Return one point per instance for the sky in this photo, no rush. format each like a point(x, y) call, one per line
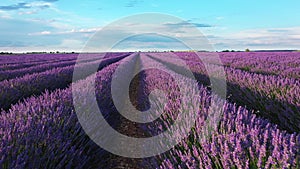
point(68, 25)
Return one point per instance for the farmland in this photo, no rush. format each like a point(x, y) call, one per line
point(258, 124)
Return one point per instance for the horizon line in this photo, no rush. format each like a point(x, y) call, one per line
point(76, 52)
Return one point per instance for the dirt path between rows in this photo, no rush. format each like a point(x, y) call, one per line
point(132, 129)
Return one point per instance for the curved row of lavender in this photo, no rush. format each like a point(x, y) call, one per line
point(14, 90)
point(272, 97)
point(241, 139)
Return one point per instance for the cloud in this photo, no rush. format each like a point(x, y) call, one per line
point(67, 32)
point(148, 42)
point(23, 5)
point(71, 44)
point(220, 18)
point(12, 36)
point(40, 5)
point(5, 15)
point(278, 30)
point(133, 3)
point(269, 38)
point(121, 30)
point(151, 37)
point(50, 0)
point(86, 30)
point(44, 21)
point(27, 12)
point(41, 33)
point(188, 24)
point(15, 7)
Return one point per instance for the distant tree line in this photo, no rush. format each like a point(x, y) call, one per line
point(6, 53)
point(57, 52)
point(246, 50)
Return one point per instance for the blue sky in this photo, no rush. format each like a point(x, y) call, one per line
point(65, 25)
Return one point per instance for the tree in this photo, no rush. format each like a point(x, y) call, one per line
point(247, 50)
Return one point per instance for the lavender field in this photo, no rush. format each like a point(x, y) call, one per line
point(258, 127)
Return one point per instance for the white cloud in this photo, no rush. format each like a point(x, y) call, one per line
point(72, 31)
point(45, 33)
point(220, 18)
point(83, 30)
point(267, 38)
point(27, 12)
point(69, 44)
point(41, 33)
point(39, 4)
point(5, 15)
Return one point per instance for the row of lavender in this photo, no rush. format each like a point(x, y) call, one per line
point(14, 90)
point(21, 69)
point(11, 74)
point(273, 97)
point(12, 61)
point(283, 64)
point(235, 139)
point(25, 64)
